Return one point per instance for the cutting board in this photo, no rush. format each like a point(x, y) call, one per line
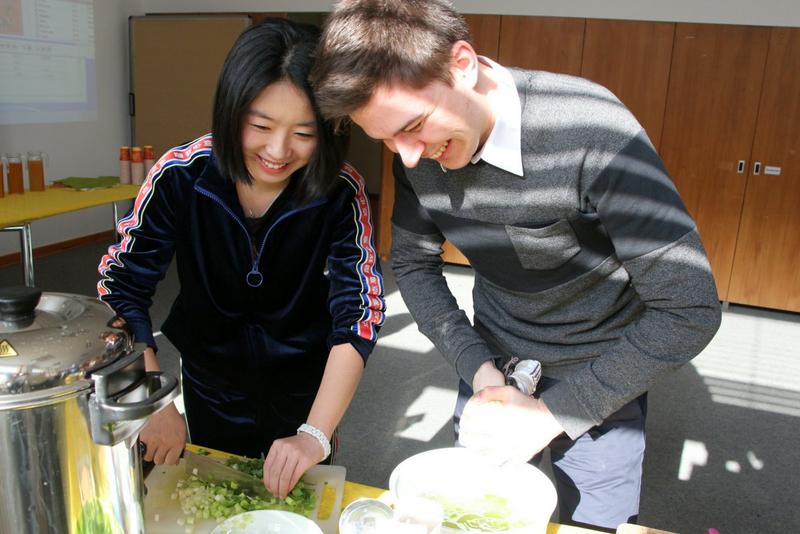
point(162, 480)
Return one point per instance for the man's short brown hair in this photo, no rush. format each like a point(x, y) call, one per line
point(371, 43)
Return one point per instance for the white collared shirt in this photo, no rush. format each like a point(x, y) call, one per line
point(503, 146)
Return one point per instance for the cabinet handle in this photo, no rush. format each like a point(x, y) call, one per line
point(741, 166)
point(757, 167)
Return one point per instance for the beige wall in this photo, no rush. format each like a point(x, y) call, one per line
point(83, 148)
point(89, 148)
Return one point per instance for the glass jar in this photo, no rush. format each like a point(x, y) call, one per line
point(16, 185)
point(36, 171)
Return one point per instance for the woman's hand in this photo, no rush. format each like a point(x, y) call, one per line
point(164, 435)
point(288, 459)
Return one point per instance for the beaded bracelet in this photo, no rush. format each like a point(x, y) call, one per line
point(321, 437)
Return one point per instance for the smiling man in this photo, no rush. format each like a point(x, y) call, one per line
point(585, 257)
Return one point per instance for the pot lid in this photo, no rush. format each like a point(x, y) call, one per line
point(50, 341)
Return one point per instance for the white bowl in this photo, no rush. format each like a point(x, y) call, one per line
point(461, 476)
point(267, 522)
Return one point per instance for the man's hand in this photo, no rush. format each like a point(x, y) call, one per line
point(506, 424)
point(287, 460)
point(487, 375)
point(164, 435)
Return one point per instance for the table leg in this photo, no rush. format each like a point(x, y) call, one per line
point(26, 245)
point(25, 249)
point(116, 218)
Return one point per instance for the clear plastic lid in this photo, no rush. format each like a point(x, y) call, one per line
point(365, 516)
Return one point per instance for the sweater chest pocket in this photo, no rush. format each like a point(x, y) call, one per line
point(544, 248)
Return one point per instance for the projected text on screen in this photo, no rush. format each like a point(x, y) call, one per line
point(47, 61)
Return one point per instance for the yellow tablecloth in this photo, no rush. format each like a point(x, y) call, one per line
point(33, 205)
point(353, 491)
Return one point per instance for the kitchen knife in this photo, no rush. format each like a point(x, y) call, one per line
point(215, 470)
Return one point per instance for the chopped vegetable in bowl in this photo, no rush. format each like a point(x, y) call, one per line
point(476, 493)
point(490, 513)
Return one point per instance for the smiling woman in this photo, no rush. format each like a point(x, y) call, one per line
point(281, 296)
point(279, 138)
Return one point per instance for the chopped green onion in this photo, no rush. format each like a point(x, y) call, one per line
point(202, 499)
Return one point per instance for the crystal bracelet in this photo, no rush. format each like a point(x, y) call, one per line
point(321, 437)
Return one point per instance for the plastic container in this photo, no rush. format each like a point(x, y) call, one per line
point(137, 166)
point(36, 161)
point(365, 516)
point(149, 158)
point(16, 183)
point(124, 165)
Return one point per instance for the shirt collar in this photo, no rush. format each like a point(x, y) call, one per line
point(503, 146)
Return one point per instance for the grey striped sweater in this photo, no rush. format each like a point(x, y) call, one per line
point(589, 263)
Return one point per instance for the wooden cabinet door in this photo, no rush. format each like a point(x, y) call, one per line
point(542, 43)
point(712, 103)
point(485, 32)
point(632, 59)
point(766, 269)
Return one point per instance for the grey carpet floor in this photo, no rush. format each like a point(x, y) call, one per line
point(723, 432)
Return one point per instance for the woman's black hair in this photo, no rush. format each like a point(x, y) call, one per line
point(272, 51)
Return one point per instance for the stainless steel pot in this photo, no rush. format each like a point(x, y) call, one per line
point(74, 395)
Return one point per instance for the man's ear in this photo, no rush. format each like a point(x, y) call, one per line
point(464, 64)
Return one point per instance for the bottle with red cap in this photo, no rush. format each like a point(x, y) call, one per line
point(137, 165)
point(124, 165)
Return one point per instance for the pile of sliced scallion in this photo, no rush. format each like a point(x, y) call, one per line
point(202, 499)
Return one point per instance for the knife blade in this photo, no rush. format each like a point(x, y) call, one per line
point(215, 470)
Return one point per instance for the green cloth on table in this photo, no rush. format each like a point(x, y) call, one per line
point(83, 183)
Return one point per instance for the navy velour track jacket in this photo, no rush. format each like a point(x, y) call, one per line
point(311, 281)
